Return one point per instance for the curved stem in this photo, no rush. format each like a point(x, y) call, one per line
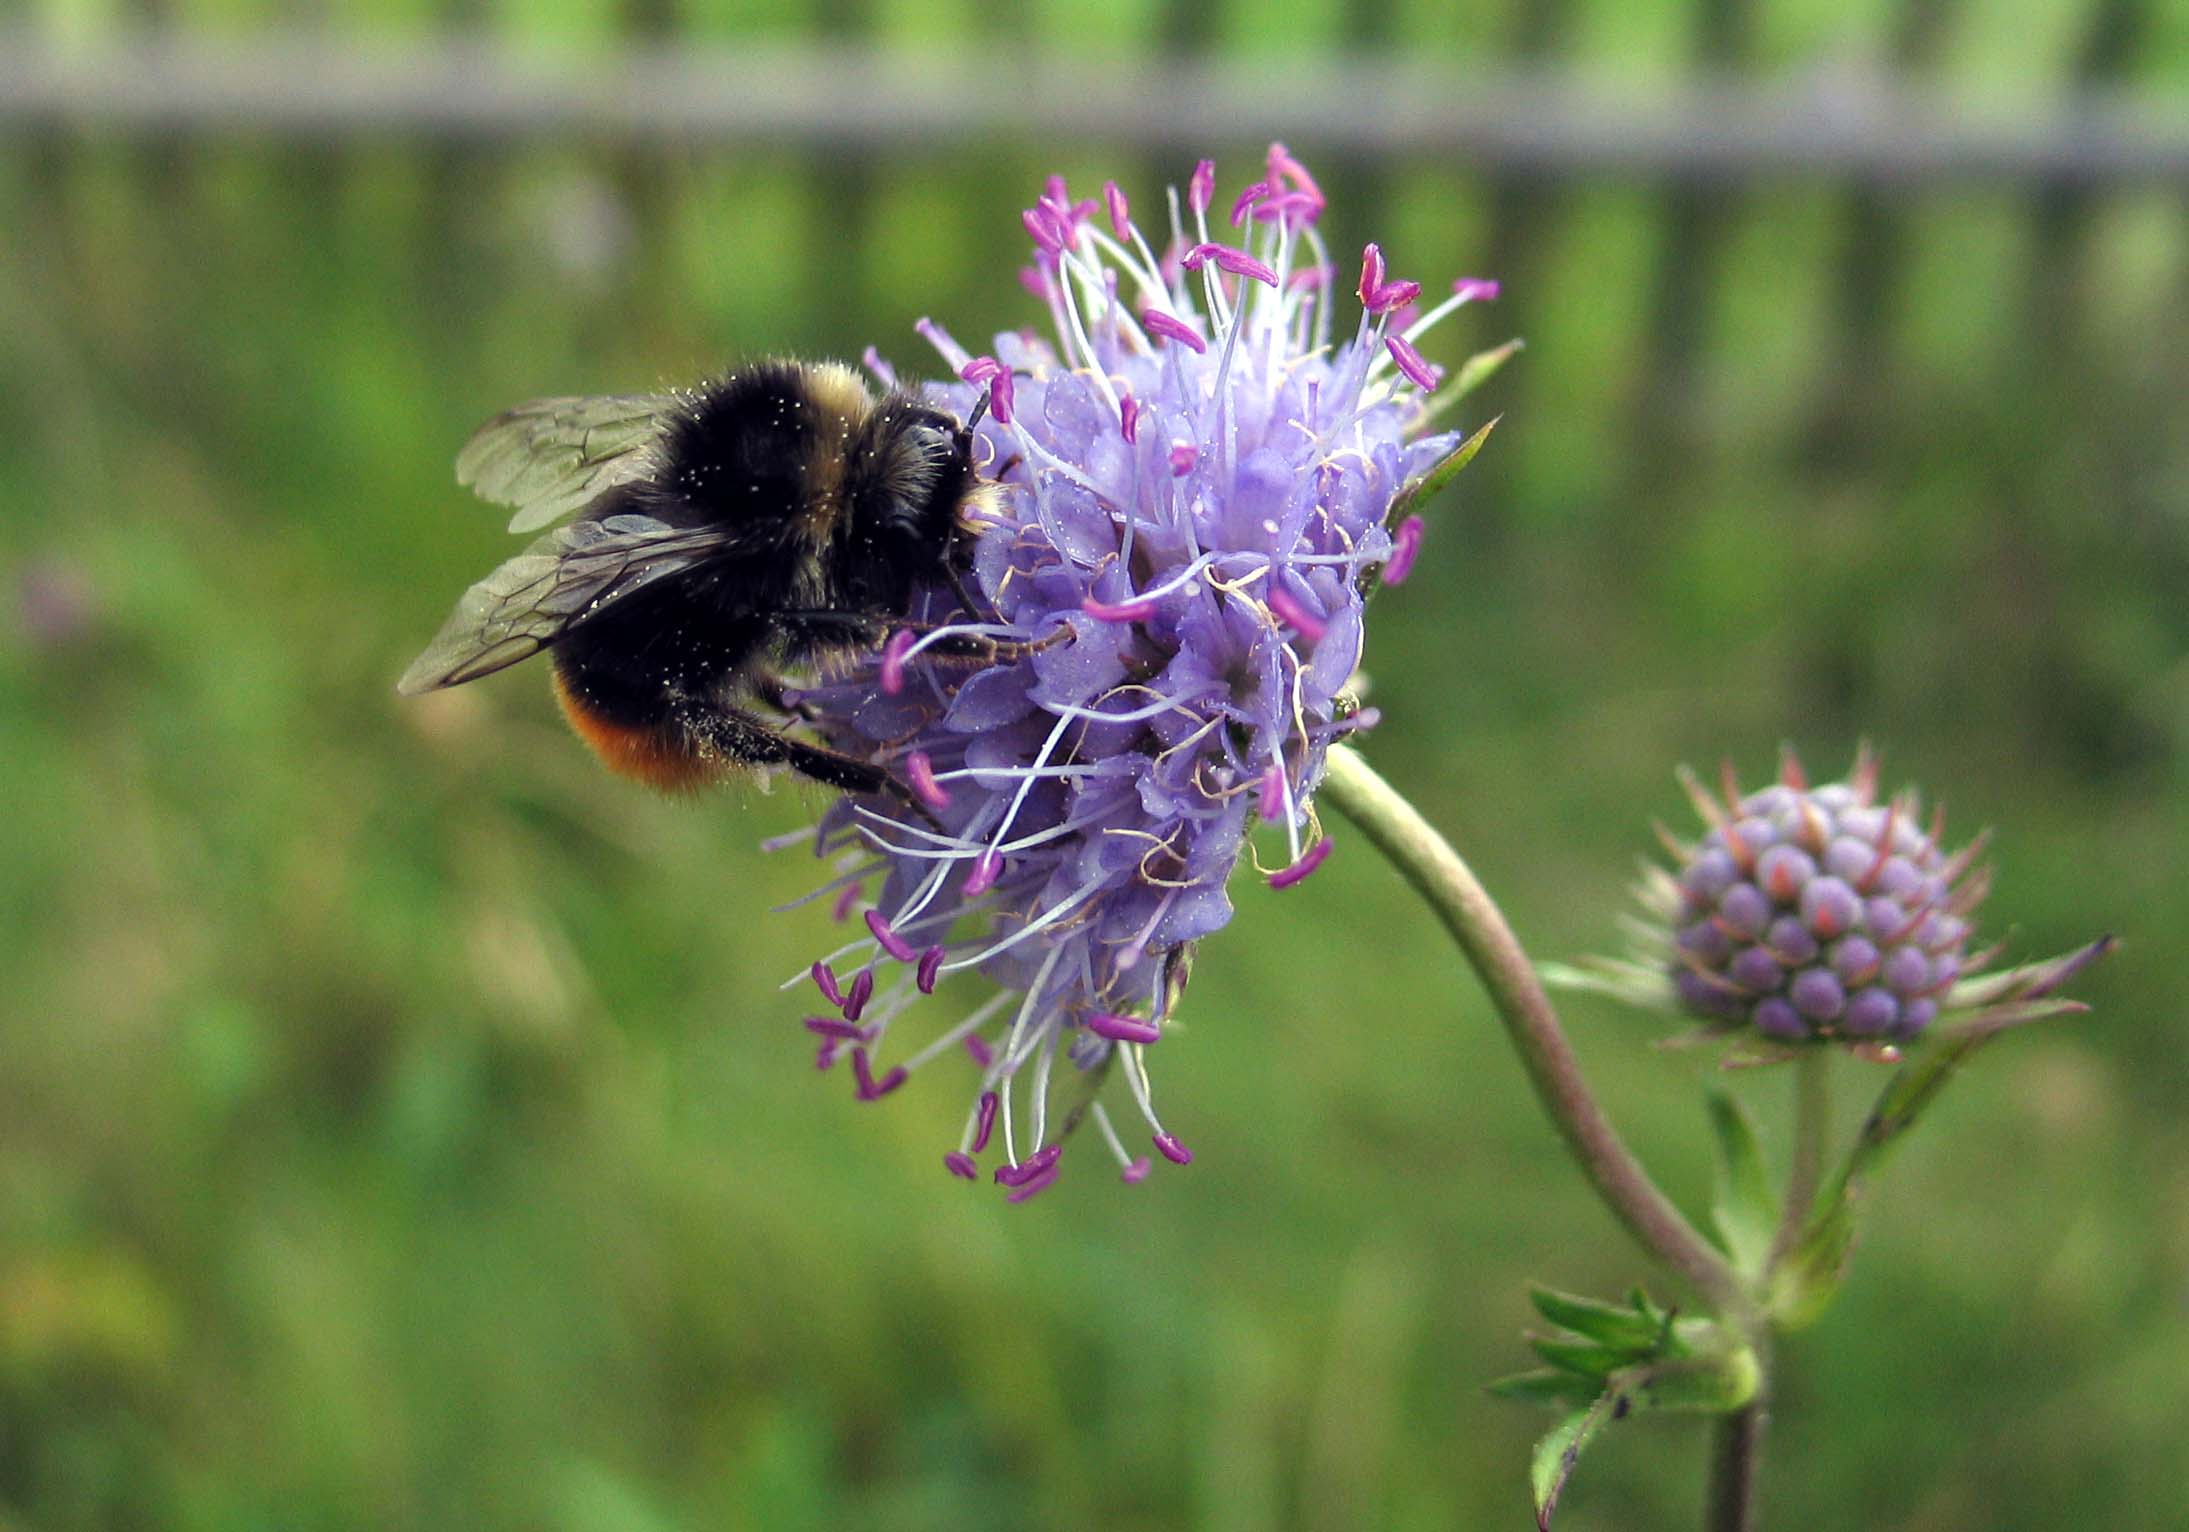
point(1812, 1120)
point(1736, 1452)
point(1428, 862)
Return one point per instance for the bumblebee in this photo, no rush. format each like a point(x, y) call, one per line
point(715, 538)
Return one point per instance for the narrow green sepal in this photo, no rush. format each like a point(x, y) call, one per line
point(1742, 1205)
point(1716, 1383)
point(1586, 1358)
point(1810, 1274)
point(1440, 473)
point(1546, 1385)
point(1636, 1330)
point(1483, 366)
point(1558, 1452)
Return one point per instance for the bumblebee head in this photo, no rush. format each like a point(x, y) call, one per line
point(907, 483)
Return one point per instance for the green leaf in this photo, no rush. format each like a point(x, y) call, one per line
point(1547, 1385)
point(1638, 1330)
point(1743, 1205)
point(1584, 1357)
point(1560, 1449)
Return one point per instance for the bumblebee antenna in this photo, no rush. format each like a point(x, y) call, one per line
point(980, 408)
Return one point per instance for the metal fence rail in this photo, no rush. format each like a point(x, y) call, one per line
point(1856, 126)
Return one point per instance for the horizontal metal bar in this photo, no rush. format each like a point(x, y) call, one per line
point(1840, 125)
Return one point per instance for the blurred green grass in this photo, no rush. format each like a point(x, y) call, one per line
point(399, 1125)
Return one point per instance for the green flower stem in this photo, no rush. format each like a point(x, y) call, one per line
point(1736, 1451)
point(1812, 1121)
point(1428, 862)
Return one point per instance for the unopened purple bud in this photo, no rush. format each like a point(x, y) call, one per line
point(1756, 970)
point(1915, 1015)
point(1907, 970)
point(1289, 609)
point(1849, 859)
point(929, 970)
point(1829, 907)
point(1784, 871)
point(1855, 960)
point(1270, 795)
point(1418, 372)
point(960, 1164)
point(1710, 874)
point(1744, 911)
point(978, 1051)
point(1202, 187)
point(1405, 548)
point(1128, 417)
point(1790, 941)
point(824, 978)
point(1310, 859)
point(1817, 995)
point(1137, 1171)
point(1871, 1012)
point(1707, 940)
point(1122, 1029)
point(1172, 1150)
point(1774, 1016)
point(1476, 289)
point(829, 1026)
point(981, 369)
point(1706, 996)
point(1000, 395)
point(985, 1123)
point(1156, 322)
point(1885, 918)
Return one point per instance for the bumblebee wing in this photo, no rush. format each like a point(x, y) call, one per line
point(555, 456)
point(551, 587)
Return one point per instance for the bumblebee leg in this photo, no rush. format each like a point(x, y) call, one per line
point(735, 735)
point(977, 651)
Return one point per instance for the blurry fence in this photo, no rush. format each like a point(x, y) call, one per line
point(2061, 132)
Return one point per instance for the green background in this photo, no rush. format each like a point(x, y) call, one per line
point(399, 1123)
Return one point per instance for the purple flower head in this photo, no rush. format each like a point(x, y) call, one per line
point(1819, 914)
point(1191, 489)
